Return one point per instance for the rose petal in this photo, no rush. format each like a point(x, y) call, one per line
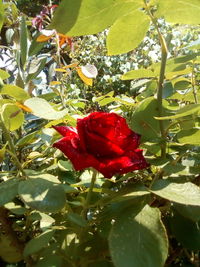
point(108, 125)
point(124, 164)
point(114, 131)
point(71, 148)
point(131, 142)
point(100, 147)
point(102, 141)
point(64, 130)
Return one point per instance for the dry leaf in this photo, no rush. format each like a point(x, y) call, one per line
point(86, 80)
point(55, 83)
point(22, 106)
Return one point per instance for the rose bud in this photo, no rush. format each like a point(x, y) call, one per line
point(102, 141)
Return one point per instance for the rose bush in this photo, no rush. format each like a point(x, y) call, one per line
point(102, 141)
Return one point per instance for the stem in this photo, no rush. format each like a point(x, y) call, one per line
point(157, 176)
point(164, 52)
point(12, 151)
point(58, 61)
point(160, 93)
point(89, 195)
point(193, 85)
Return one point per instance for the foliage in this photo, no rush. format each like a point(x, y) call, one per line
point(148, 60)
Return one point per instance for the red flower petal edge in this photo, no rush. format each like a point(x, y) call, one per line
point(102, 141)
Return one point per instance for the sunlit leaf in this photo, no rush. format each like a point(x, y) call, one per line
point(137, 74)
point(14, 91)
point(41, 108)
point(190, 136)
point(143, 121)
point(4, 74)
point(2, 152)
point(12, 116)
point(88, 16)
point(180, 11)
point(1, 14)
point(182, 193)
point(185, 111)
point(127, 32)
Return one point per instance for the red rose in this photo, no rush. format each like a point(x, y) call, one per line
point(102, 141)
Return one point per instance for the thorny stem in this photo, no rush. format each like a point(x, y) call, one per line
point(11, 150)
point(89, 195)
point(164, 52)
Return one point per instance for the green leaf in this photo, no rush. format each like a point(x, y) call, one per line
point(139, 239)
point(186, 232)
point(190, 137)
point(190, 212)
point(14, 91)
point(8, 190)
point(127, 32)
point(77, 219)
point(12, 116)
point(1, 14)
point(143, 121)
point(35, 69)
point(4, 74)
point(187, 193)
point(50, 261)
point(131, 192)
point(42, 193)
point(186, 96)
point(181, 84)
point(42, 109)
point(27, 139)
point(35, 46)
point(194, 44)
point(180, 11)
point(88, 16)
point(16, 209)
point(46, 221)
point(184, 59)
point(138, 74)
point(171, 75)
point(167, 89)
point(23, 41)
point(37, 243)
point(2, 153)
point(65, 165)
point(105, 101)
point(185, 111)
